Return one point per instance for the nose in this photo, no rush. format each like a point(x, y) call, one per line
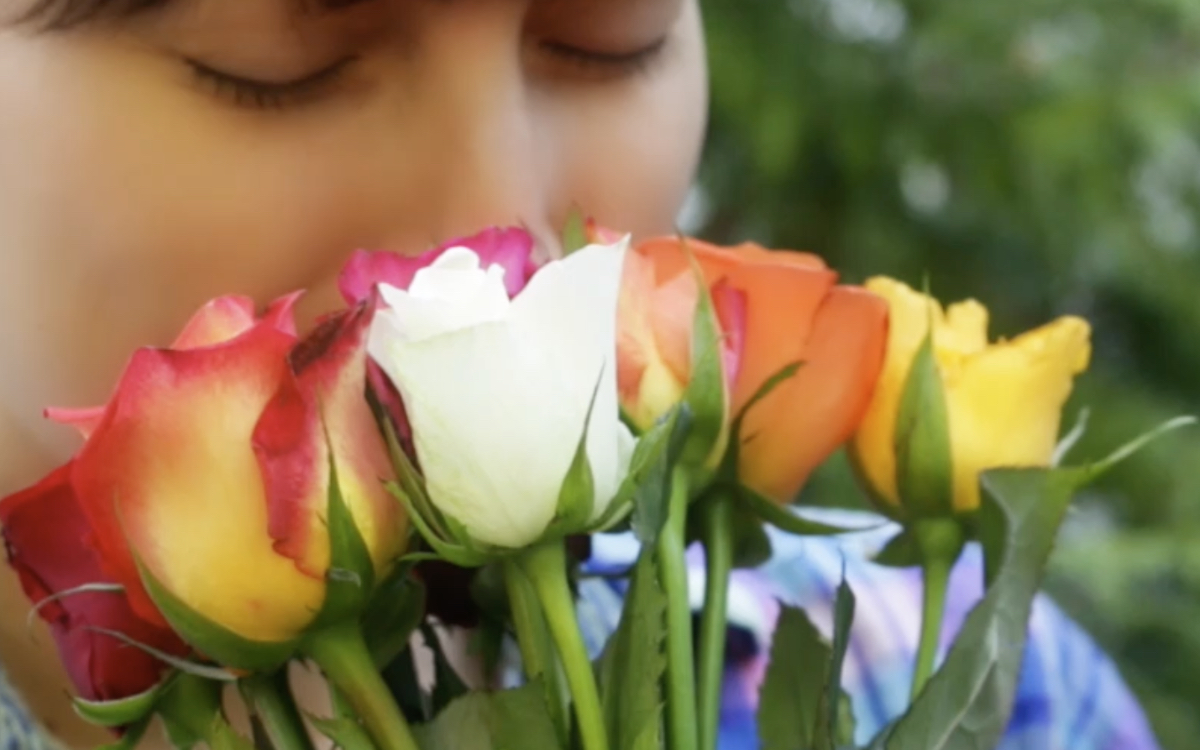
point(488, 161)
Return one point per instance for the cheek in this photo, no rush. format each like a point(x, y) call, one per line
point(125, 203)
point(631, 153)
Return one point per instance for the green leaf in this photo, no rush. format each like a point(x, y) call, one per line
point(706, 394)
point(901, 551)
point(351, 575)
point(345, 732)
point(507, 720)
point(791, 708)
point(839, 718)
point(394, 612)
point(215, 641)
point(924, 458)
point(574, 233)
point(120, 713)
point(632, 665)
point(447, 685)
point(966, 704)
point(649, 475)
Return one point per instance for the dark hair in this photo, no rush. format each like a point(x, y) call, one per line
point(59, 15)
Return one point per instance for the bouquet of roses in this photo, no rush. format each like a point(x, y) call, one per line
point(250, 497)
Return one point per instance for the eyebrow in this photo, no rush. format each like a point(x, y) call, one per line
point(60, 15)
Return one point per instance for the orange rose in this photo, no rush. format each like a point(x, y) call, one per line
point(774, 308)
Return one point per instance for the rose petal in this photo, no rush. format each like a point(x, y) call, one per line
point(730, 305)
point(44, 531)
point(806, 418)
point(171, 475)
point(510, 248)
point(326, 395)
point(84, 420)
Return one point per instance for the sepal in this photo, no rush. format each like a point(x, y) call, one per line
point(124, 712)
point(645, 488)
point(577, 496)
point(924, 458)
point(350, 579)
point(447, 536)
point(729, 465)
point(785, 520)
point(190, 708)
point(707, 395)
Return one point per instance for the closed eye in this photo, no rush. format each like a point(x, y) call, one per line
point(605, 62)
point(256, 93)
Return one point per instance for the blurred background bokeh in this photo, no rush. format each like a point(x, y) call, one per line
point(1042, 156)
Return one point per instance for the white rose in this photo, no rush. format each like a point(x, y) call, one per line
point(497, 391)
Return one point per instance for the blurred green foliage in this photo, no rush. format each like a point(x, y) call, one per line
point(1043, 157)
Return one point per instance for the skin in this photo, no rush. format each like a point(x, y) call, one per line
point(133, 189)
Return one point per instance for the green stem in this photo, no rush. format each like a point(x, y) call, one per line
point(681, 673)
point(937, 578)
point(546, 567)
point(716, 517)
point(940, 542)
point(270, 698)
point(342, 654)
point(537, 650)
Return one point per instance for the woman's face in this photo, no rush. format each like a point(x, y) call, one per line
point(149, 162)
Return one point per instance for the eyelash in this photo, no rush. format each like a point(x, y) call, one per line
point(607, 64)
point(254, 94)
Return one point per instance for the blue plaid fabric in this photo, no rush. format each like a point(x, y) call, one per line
point(1070, 697)
point(17, 729)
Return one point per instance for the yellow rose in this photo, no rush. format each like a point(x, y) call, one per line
point(1003, 400)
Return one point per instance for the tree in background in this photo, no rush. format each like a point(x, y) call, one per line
point(1042, 156)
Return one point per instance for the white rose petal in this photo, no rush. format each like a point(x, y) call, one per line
point(450, 294)
point(497, 392)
